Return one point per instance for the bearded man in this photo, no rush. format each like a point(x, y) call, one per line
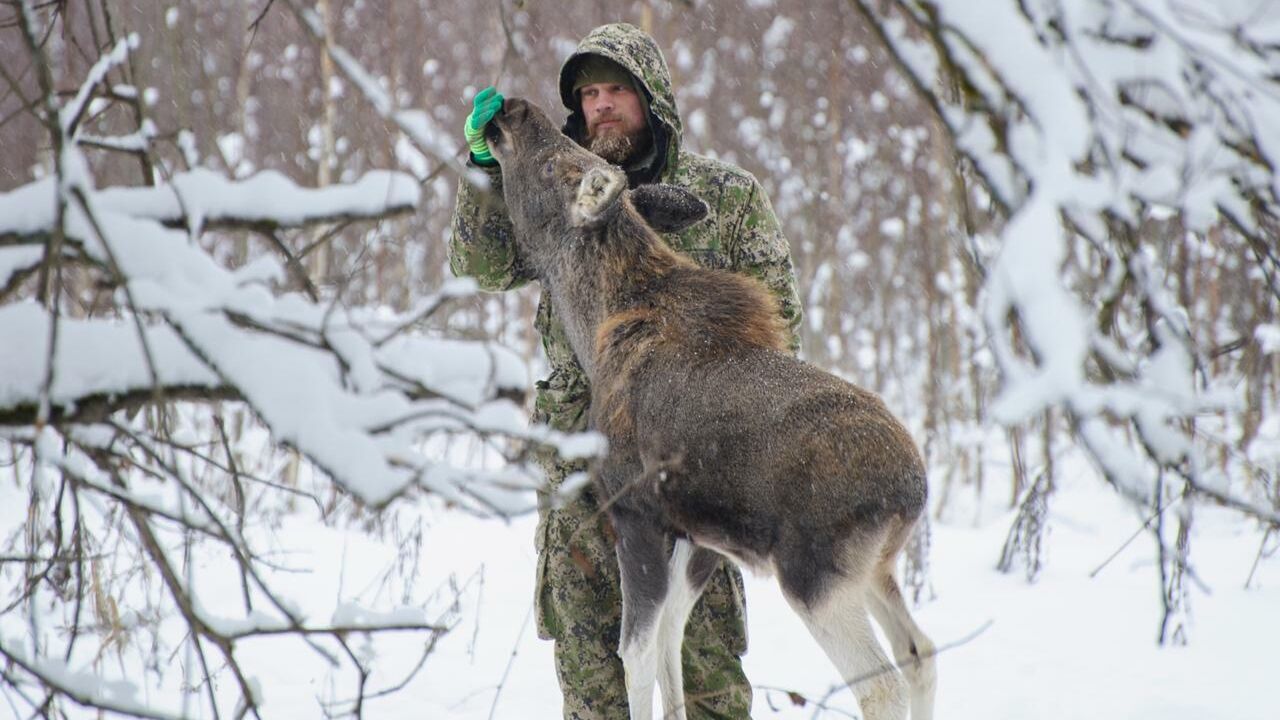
point(617, 89)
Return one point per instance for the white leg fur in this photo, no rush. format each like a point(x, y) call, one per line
point(640, 664)
point(675, 614)
point(913, 650)
point(840, 624)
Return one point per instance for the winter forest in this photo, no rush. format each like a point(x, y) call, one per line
point(262, 455)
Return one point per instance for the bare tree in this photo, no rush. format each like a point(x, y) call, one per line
point(157, 400)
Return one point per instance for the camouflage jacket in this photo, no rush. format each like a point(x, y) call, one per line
point(740, 233)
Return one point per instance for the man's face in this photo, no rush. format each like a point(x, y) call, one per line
point(616, 126)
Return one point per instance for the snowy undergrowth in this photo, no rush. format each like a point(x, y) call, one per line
point(1068, 646)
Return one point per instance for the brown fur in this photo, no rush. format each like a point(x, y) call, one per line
point(707, 315)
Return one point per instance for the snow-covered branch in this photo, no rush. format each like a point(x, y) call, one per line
point(417, 126)
point(159, 398)
point(201, 199)
point(1088, 122)
point(84, 688)
point(330, 381)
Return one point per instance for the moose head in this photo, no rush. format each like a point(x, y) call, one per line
point(557, 191)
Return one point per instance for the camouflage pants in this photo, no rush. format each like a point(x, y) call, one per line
point(579, 603)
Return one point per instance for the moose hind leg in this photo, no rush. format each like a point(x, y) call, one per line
point(644, 570)
point(913, 650)
point(690, 570)
point(838, 620)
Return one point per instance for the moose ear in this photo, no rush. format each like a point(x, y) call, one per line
point(598, 193)
point(667, 208)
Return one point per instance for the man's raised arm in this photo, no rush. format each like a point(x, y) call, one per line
point(480, 239)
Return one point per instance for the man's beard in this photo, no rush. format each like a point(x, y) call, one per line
point(619, 148)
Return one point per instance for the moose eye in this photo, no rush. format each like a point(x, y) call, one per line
point(549, 169)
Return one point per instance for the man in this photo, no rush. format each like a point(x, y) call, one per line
point(617, 89)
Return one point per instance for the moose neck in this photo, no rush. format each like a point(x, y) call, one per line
point(598, 273)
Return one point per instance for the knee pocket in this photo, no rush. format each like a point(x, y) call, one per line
point(577, 586)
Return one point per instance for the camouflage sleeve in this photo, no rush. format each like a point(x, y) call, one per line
point(480, 240)
point(761, 250)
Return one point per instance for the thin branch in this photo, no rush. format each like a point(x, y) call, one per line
point(186, 608)
point(97, 407)
point(1137, 533)
point(157, 389)
point(57, 683)
point(385, 106)
point(253, 26)
point(800, 699)
point(298, 272)
point(1263, 552)
point(422, 661)
point(50, 266)
point(336, 630)
point(506, 672)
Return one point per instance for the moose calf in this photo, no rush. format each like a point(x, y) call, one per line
point(720, 442)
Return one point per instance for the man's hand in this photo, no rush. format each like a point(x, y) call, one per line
point(487, 104)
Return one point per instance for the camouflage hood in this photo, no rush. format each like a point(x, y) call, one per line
point(633, 49)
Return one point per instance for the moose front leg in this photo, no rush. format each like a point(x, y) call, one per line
point(643, 562)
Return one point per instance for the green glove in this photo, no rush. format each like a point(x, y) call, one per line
point(487, 104)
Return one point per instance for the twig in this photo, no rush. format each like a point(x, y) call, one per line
point(183, 601)
point(99, 406)
point(422, 661)
point(800, 699)
point(385, 106)
point(79, 695)
point(1262, 552)
point(295, 268)
point(157, 389)
point(515, 650)
point(337, 630)
point(320, 241)
point(1136, 533)
point(253, 26)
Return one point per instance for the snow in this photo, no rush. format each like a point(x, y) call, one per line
point(119, 695)
point(311, 372)
point(73, 110)
point(1076, 123)
point(267, 196)
point(352, 615)
point(95, 357)
point(418, 126)
point(136, 142)
point(29, 208)
point(1269, 338)
point(1078, 626)
point(18, 260)
point(775, 37)
point(584, 445)
point(1067, 630)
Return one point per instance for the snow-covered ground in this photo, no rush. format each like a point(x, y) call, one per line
point(1068, 646)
